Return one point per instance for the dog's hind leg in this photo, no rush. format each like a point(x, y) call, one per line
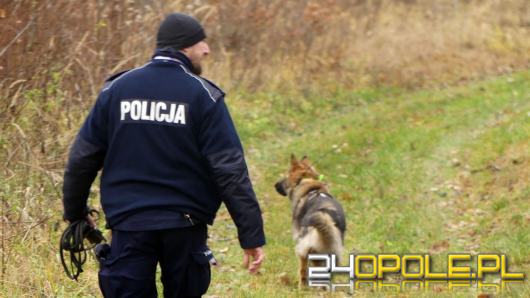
point(303, 272)
point(303, 247)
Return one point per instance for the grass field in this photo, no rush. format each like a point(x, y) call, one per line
point(430, 171)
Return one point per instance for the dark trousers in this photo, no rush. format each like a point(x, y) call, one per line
point(129, 269)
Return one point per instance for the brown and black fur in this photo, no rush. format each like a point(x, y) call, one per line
point(318, 219)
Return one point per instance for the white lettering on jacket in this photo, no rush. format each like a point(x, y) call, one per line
point(132, 110)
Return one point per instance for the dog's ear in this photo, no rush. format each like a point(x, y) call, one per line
point(294, 162)
point(306, 161)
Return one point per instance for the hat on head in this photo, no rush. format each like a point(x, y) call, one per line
point(179, 31)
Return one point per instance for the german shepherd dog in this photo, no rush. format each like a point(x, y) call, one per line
point(318, 219)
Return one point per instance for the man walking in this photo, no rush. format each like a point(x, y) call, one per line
point(170, 155)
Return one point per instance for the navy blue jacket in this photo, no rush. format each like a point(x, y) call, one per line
point(167, 146)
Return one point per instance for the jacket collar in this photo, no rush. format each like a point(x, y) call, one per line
point(173, 55)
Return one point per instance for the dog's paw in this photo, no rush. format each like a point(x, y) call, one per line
point(302, 283)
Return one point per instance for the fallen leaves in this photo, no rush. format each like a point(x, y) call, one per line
point(285, 279)
point(439, 247)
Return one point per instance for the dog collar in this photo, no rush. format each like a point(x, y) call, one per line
point(312, 194)
point(315, 193)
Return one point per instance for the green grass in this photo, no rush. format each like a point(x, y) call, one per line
point(393, 158)
point(431, 171)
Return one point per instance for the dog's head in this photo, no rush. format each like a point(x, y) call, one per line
point(299, 169)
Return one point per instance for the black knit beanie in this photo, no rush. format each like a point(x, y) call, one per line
point(179, 31)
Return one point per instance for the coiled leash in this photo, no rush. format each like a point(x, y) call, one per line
point(72, 241)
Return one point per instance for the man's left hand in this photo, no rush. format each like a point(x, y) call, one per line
point(257, 254)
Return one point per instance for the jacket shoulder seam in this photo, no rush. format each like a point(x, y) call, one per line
point(203, 84)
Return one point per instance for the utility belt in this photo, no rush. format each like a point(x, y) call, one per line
point(73, 249)
point(178, 220)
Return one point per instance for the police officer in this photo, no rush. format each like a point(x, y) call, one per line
point(170, 155)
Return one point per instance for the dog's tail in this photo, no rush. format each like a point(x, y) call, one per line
point(329, 228)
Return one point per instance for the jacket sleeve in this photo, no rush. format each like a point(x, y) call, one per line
point(220, 145)
point(85, 160)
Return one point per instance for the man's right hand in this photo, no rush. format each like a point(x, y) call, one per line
point(257, 255)
point(91, 221)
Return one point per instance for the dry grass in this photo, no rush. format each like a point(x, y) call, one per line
point(54, 56)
